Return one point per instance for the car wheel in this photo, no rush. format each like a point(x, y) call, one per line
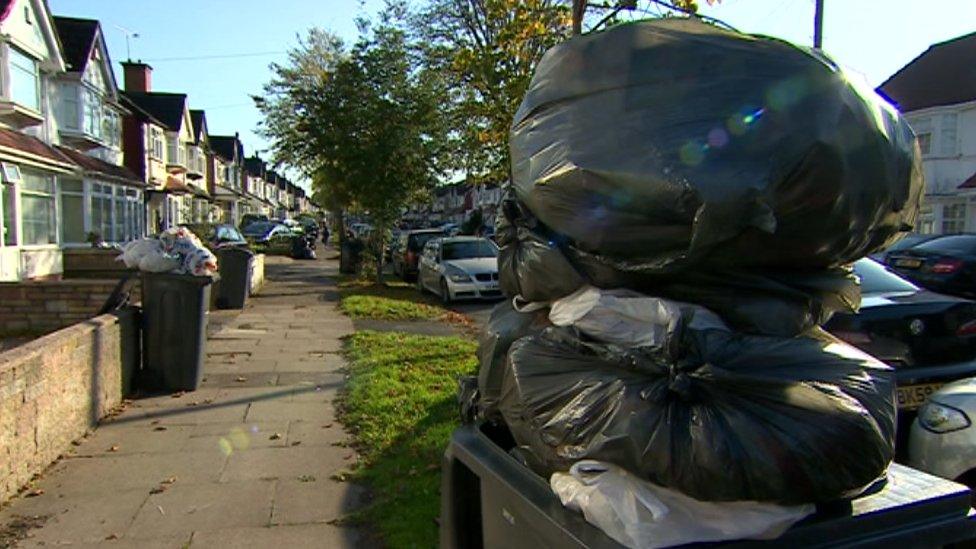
point(445, 292)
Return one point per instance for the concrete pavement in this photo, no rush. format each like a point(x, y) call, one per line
point(246, 461)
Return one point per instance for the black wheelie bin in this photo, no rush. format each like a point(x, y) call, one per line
point(236, 266)
point(174, 309)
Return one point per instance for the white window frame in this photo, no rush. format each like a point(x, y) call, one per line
point(955, 223)
point(157, 144)
point(85, 211)
point(51, 194)
point(12, 56)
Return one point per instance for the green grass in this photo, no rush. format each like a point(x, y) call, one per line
point(393, 300)
point(400, 404)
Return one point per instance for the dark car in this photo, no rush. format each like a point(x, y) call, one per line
point(252, 218)
point(225, 235)
point(909, 241)
point(270, 237)
point(946, 264)
point(929, 338)
point(406, 253)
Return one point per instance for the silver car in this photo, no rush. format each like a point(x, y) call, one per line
point(459, 267)
point(943, 439)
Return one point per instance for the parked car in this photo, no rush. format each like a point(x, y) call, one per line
point(406, 253)
point(225, 235)
point(943, 439)
point(909, 241)
point(945, 264)
point(460, 267)
point(249, 218)
point(270, 237)
point(928, 337)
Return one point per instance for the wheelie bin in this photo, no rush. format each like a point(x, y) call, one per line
point(174, 308)
point(236, 264)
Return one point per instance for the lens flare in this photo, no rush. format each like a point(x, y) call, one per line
point(691, 154)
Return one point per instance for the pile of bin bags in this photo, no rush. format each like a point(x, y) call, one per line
point(177, 251)
point(685, 205)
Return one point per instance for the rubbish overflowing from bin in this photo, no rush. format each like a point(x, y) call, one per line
point(176, 251)
point(684, 207)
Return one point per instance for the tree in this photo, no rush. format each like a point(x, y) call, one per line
point(363, 123)
point(487, 50)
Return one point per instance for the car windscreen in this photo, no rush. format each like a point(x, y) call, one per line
point(259, 228)
point(228, 234)
point(950, 245)
point(468, 249)
point(875, 279)
point(415, 242)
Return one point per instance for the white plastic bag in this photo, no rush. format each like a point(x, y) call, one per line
point(133, 252)
point(625, 317)
point(639, 514)
point(159, 262)
point(199, 262)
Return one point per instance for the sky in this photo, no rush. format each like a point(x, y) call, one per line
point(218, 51)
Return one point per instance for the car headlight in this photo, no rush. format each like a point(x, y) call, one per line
point(457, 275)
point(940, 418)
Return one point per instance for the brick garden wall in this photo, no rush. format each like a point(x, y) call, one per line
point(53, 390)
point(40, 307)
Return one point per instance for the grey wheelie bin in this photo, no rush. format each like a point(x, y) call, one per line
point(236, 265)
point(174, 308)
point(490, 499)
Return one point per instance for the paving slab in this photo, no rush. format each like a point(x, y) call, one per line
point(244, 461)
point(298, 502)
point(185, 508)
point(303, 536)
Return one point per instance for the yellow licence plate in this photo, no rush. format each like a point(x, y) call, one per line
point(911, 397)
point(910, 263)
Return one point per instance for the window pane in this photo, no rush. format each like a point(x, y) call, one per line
point(119, 220)
point(33, 181)
point(37, 219)
point(72, 219)
point(23, 80)
point(9, 226)
point(71, 186)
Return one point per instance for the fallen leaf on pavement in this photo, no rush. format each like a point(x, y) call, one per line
point(240, 379)
point(169, 480)
point(350, 456)
point(111, 537)
point(275, 436)
point(339, 477)
point(192, 403)
point(158, 490)
point(159, 428)
point(327, 425)
point(35, 492)
point(296, 443)
point(306, 478)
point(114, 448)
point(178, 394)
point(154, 422)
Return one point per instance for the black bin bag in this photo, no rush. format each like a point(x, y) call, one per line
point(674, 144)
point(504, 327)
point(728, 417)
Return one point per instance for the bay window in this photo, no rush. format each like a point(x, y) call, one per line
point(25, 86)
point(100, 205)
point(93, 114)
point(121, 211)
point(156, 136)
point(68, 107)
point(8, 221)
point(37, 208)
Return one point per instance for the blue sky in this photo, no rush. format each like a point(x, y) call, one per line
point(873, 37)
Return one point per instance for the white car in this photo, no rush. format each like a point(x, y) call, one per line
point(943, 439)
point(460, 267)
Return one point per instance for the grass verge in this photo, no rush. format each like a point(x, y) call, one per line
point(392, 300)
point(400, 404)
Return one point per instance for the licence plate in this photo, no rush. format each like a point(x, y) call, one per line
point(911, 397)
point(910, 263)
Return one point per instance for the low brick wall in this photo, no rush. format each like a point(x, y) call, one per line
point(257, 274)
point(40, 307)
point(54, 389)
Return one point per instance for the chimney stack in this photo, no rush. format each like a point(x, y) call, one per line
point(138, 76)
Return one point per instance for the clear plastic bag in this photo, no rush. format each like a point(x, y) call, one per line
point(637, 513)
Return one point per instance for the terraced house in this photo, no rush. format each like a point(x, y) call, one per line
point(60, 159)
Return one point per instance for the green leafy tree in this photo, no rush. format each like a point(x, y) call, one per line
point(363, 123)
point(486, 51)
